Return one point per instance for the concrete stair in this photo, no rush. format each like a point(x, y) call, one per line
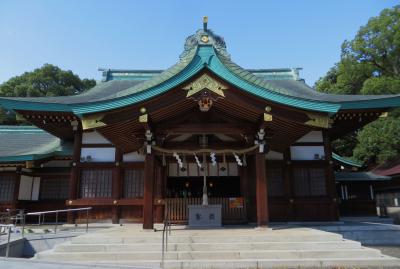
point(220, 248)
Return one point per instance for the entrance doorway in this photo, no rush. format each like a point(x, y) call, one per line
point(222, 190)
point(192, 187)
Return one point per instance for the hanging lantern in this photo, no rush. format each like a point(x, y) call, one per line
point(223, 166)
point(183, 169)
point(164, 162)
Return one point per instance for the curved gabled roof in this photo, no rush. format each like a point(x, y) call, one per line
point(201, 53)
point(346, 161)
point(28, 143)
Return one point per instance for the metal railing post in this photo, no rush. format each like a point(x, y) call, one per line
point(166, 239)
point(8, 242)
point(41, 217)
point(87, 220)
point(23, 224)
point(55, 229)
point(162, 248)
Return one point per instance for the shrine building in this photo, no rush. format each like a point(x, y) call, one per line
point(143, 144)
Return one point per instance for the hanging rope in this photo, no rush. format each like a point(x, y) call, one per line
point(216, 151)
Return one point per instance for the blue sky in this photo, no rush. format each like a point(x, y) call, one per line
point(84, 35)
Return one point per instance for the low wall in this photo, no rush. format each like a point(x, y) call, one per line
point(28, 246)
point(16, 247)
point(394, 213)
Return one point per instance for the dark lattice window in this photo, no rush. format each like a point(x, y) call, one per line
point(309, 181)
point(7, 185)
point(54, 188)
point(275, 181)
point(133, 183)
point(96, 183)
point(317, 181)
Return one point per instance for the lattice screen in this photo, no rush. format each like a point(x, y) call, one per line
point(309, 181)
point(54, 188)
point(96, 183)
point(7, 185)
point(133, 183)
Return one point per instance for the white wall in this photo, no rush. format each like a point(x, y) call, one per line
point(233, 170)
point(313, 136)
point(8, 169)
point(99, 154)
point(133, 157)
point(29, 188)
point(273, 155)
point(94, 138)
point(306, 152)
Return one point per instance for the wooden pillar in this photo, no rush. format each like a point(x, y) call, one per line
point(148, 199)
point(330, 177)
point(261, 190)
point(74, 178)
point(117, 185)
point(158, 193)
point(288, 184)
point(244, 188)
point(243, 181)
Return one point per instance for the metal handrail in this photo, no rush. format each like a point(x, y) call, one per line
point(11, 215)
point(9, 226)
point(166, 230)
point(41, 215)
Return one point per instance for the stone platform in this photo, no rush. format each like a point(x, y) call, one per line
point(233, 247)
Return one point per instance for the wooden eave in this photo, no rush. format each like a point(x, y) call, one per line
point(55, 123)
point(171, 113)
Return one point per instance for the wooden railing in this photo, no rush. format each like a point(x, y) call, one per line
point(178, 209)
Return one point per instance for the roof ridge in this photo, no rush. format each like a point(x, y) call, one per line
point(24, 127)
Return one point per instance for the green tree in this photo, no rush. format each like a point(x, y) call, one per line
point(370, 64)
point(379, 141)
point(49, 80)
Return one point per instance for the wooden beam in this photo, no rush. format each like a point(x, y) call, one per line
point(287, 183)
point(74, 178)
point(158, 193)
point(148, 219)
point(206, 128)
point(330, 177)
point(261, 190)
point(116, 185)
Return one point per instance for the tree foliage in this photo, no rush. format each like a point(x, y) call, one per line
point(48, 80)
point(370, 64)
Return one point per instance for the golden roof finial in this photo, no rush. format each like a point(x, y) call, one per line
point(205, 21)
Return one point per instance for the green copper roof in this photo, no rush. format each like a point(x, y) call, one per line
point(126, 88)
point(359, 176)
point(141, 75)
point(27, 143)
point(346, 161)
point(125, 74)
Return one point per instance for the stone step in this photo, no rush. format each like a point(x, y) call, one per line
point(205, 239)
point(332, 245)
point(210, 255)
point(384, 262)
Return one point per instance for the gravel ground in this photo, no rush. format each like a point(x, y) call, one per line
point(393, 251)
